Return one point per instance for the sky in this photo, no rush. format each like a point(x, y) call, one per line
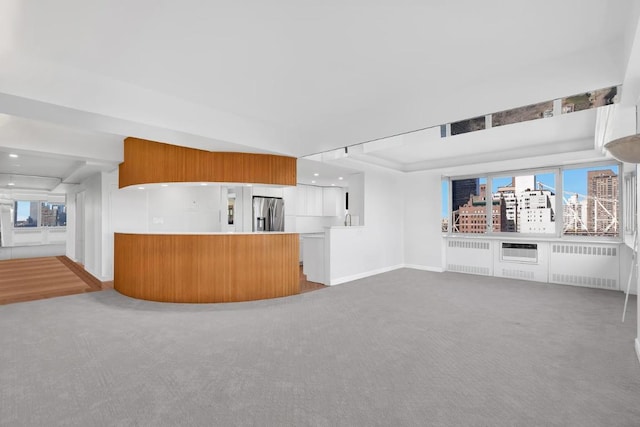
point(23, 211)
point(575, 181)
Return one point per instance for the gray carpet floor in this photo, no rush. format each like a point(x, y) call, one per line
point(404, 348)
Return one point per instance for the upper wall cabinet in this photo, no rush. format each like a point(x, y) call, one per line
point(318, 201)
point(332, 204)
point(148, 162)
point(308, 200)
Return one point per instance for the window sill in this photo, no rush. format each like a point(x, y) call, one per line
point(537, 238)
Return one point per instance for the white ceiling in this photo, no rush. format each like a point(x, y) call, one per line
point(301, 78)
point(321, 174)
point(42, 156)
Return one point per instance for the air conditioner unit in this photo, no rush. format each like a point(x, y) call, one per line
point(519, 252)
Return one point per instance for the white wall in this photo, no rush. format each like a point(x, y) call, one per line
point(93, 225)
point(636, 284)
point(97, 246)
point(355, 252)
point(166, 209)
point(357, 196)
point(422, 230)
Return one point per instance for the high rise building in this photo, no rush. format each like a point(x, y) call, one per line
point(48, 215)
point(472, 216)
point(462, 190)
point(510, 202)
point(602, 202)
point(527, 210)
point(536, 212)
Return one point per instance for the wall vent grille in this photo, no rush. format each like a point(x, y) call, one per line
point(517, 274)
point(593, 282)
point(470, 269)
point(468, 244)
point(588, 250)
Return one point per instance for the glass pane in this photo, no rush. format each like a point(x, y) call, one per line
point(526, 204)
point(469, 205)
point(53, 214)
point(591, 201)
point(25, 214)
point(445, 206)
point(470, 125)
point(587, 100)
point(522, 114)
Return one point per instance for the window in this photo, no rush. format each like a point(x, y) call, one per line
point(570, 201)
point(25, 214)
point(587, 100)
point(53, 214)
point(527, 203)
point(444, 224)
point(39, 214)
point(469, 205)
point(631, 202)
point(469, 125)
point(590, 201)
point(522, 114)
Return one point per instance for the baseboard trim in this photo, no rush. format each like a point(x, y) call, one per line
point(638, 349)
point(83, 274)
point(353, 277)
point(425, 268)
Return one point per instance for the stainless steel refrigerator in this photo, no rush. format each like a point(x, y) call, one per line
point(268, 213)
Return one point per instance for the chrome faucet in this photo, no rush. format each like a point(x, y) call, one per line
point(347, 220)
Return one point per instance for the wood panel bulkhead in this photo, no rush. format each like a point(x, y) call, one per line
point(148, 162)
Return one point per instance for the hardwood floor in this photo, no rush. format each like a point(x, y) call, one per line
point(306, 286)
point(31, 279)
point(38, 278)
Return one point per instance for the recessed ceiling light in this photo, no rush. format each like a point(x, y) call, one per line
point(333, 185)
point(164, 185)
point(140, 188)
point(203, 184)
point(313, 182)
point(11, 184)
point(316, 174)
point(340, 178)
point(249, 185)
point(15, 156)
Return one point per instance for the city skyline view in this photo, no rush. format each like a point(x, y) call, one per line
point(51, 214)
point(579, 185)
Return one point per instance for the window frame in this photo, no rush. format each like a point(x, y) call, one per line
point(38, 225)
point(621, 201)
point(558, 171)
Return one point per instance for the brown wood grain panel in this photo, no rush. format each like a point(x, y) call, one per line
point(148, 162)
point(207, 267)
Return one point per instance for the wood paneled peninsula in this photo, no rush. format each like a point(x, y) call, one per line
point(203, 267)
point(206, 267)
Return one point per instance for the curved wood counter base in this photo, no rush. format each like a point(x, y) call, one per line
point(205, 268)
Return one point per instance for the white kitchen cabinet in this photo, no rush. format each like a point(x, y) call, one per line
point(308, 200)
point(316, 203)
point(332, 201)
point(301, 200)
